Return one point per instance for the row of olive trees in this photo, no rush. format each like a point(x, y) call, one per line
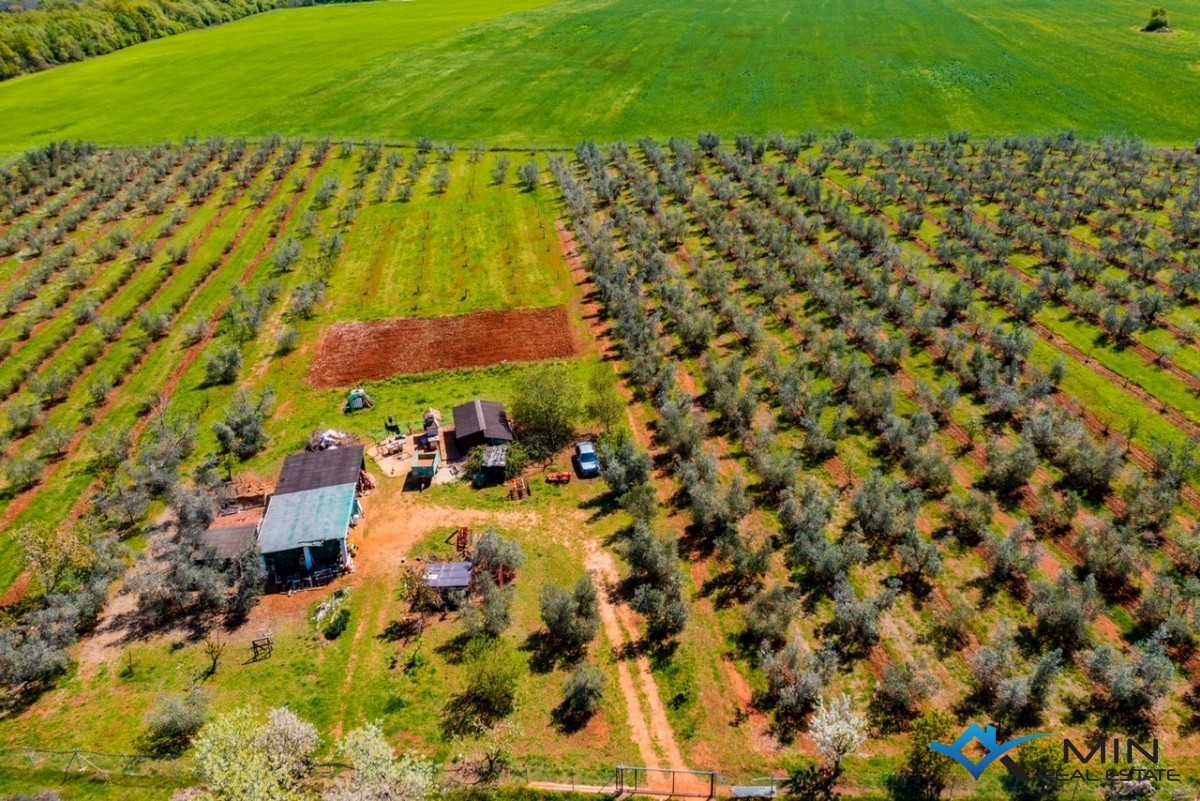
point(1004, 552)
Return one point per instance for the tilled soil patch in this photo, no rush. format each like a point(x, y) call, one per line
point(354, 352)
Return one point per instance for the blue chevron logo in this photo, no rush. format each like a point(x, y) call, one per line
point(987, 738)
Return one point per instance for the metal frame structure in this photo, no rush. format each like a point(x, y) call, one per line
point(706, 788)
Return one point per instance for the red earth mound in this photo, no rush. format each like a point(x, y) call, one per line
point(354, 352)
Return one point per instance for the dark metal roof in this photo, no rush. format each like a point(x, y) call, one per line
point(448, 575)
point(480, 416)
point(225, 543)
point(317, 469)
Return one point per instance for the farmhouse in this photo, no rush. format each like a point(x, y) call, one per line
point(304, 529)
point(481, 422)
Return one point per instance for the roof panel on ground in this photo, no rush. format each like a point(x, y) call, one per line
point(306, 518)
point(316, 469)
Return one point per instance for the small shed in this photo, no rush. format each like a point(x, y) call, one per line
point(445, 576)
point(426, 463)
point(481, 422)
point(224, 545)
point(308, 519)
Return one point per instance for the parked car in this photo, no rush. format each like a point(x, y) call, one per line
point(589, 462)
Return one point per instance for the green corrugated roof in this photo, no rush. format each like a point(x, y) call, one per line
point(306, 518)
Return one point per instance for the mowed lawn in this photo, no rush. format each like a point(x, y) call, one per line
point(477, 246)
point(518, 72)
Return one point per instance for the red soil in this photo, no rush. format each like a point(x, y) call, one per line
point(353, 352)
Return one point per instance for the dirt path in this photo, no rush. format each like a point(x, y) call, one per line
point(653, 734)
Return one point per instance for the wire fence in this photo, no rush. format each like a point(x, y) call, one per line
point(94, 763)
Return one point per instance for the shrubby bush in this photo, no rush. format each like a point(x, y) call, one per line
point(795, 679)
point(901, 690)
point(1128, 687)
point(222, 364)
point(491, 613)
point(582, 693)
point(173, 721)
point(1064, 609)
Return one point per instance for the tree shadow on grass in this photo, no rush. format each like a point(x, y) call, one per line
point(568, 721)
point(465, 715)
point(454, 649)
point(601, 506)
point(546, 653)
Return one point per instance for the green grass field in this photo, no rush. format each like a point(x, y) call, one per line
point(526, 72)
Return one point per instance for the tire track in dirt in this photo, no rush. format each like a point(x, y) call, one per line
point(652, 733)
point(639, 727)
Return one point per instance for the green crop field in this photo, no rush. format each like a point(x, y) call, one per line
point(523, 72)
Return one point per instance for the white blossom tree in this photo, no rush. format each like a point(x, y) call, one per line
point(379, 775)
point(242, 758)
point(838, 731)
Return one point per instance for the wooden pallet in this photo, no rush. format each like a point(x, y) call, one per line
point(518, 489)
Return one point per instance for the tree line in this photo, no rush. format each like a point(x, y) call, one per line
point(59, 32)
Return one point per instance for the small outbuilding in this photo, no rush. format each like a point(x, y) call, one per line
point(445, 576)
point(481, 422)
point(433, 425)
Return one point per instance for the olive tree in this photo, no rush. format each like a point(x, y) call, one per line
point(242, 431)
point(572, 617)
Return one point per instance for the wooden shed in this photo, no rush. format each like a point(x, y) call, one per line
point(481, 422)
